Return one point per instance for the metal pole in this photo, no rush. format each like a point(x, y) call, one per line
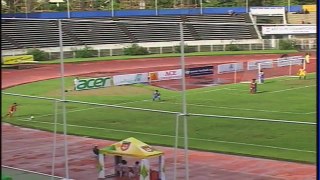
point(184, 103)
point(201, 8)
point(247, 6)
point(26, 4)
point(68, 9)
point(235, 73)
point(112, 8)
point(186, 154)
point(63, 97)
point(290, 68)
point(176, 148)
point(156, 7)
point(289, 8)
point(259, 69)
point(54, 138)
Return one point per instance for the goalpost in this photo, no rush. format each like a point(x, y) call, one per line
point(281, 67)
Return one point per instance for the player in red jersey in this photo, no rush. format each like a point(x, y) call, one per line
point(12, 110)
point(253, 86)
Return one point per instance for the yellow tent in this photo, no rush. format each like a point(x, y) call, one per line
point(131, 147)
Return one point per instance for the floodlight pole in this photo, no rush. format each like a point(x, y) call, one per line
point(26, 4)
point(247, 6)
point(68, 9)
point(184, 103)
point(289, 7)
point(156, 7)
point(201, 8)
point(63, 98)
point(112, 9)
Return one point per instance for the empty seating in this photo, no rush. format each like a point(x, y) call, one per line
point(298, 18)
point(37, 33)
point(220, 31)
point(157, 32)
point(96, 32)
point(6, 45)
point(34, 34)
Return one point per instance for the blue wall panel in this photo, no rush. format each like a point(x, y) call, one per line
point(126, 13)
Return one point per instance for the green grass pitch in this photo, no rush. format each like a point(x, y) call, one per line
point(288, 99)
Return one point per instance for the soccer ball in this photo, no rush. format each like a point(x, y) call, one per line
point(31, 117)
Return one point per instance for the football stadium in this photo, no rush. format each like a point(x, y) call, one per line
point(140, 89)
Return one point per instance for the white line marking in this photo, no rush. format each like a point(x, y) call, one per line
point(244, 109)
point(9, 167)
point(290, 89)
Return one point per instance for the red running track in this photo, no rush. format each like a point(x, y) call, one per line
point(42, 72)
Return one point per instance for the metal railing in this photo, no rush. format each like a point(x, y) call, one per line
point(171, 47)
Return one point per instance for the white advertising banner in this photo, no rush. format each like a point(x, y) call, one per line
point(170, 74)
point(130, 79)
point(267, 10)
point(289, 30)
point(287, 61)
point(229, 68)
point(253, 65)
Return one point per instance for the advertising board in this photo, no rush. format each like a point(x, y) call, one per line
point(199, 71)
point(93, 83)
point(130, 79)
point(229, 68)
point(289, 30)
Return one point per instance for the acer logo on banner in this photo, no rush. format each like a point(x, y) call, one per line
point(171, 73)
point(93, 83)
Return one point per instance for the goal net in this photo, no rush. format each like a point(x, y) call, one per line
point(227, 73)
point(271, 68)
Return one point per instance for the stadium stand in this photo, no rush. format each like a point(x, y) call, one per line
point(157, 32)
point(96, 32)
point(218, 32)
point(35, 34)
point(298, 18)
point(5, 44)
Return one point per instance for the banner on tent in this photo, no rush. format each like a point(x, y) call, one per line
point(295, 60)
point(229, 68)
point(93, 83)
point(199, 71)
point(100, 166)
point(130, 79)
point(253, 65)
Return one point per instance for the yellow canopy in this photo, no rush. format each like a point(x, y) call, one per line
point(131, 147)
